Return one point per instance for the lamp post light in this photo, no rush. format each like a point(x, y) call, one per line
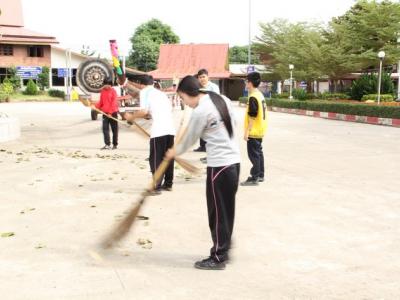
point(291, 67)
point(381, 56)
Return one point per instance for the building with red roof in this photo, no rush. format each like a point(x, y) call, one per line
point(20, 46)
point(179, 60)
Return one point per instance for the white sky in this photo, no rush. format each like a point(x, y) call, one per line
point(94, 22)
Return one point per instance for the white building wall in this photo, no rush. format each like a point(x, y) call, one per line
point(58, 61)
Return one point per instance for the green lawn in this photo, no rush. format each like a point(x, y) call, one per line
point(39, 98)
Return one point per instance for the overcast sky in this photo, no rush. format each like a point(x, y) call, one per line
point(92, 22)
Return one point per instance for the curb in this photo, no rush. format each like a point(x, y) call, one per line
point(340, 117)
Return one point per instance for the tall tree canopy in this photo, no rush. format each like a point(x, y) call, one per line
point(239, 55)
point(146, 43)
point(349, 43)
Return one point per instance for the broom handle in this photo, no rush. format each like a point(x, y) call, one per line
point(177, 159)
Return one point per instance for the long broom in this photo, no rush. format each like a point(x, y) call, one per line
point(126, 223)
point(182, 162)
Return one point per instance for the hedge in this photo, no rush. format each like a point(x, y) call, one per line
point(374, 97)
point(56, 93)
point(341, 108)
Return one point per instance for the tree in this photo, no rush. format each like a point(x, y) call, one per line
point(367, 28)
point(44, 79)
point(299, 44)
point(87, 51)
point(239, 55)
point(146, 43)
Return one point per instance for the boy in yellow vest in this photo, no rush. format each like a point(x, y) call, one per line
point(255, 125)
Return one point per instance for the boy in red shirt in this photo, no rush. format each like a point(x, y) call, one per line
point(108, 104)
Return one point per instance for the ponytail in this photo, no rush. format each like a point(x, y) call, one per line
point(222, 108)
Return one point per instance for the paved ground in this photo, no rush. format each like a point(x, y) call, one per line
point(325, 225)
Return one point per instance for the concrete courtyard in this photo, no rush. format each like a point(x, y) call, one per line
point(325, 224)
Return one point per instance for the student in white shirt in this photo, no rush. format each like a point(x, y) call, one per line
point(155, 104)
point(206, 84)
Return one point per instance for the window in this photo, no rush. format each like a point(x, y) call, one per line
point(35, 51)
point(56, 81)
point(6, 50)
point(60, 81)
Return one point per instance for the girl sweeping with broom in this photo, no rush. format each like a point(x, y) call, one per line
point(212, 120)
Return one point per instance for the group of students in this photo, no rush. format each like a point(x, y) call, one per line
point(213, 121)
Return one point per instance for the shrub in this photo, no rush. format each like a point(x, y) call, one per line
point(341, 108)
point(281, 96)
point(6, 89)
point(56, 93)
point(368, 84)
point(31, 88)
point(44, 79)
point(333, 96)
point(299, 94)
point(14, 78)
point(374, 97)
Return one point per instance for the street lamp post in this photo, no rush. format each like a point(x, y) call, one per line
point(291, 67)
point(249, 46)
point(381, 56)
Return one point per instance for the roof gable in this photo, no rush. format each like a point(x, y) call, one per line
point(11, 13)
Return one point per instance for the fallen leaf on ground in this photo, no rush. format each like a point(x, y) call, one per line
point(26, 210)
point(142, 217)
point(145, 243)
point(40, 246)
point(7, 234)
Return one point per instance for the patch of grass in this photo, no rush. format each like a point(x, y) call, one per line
point(42, 97)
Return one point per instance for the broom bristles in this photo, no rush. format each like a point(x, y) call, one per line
point(123, 227)
point(187, 166)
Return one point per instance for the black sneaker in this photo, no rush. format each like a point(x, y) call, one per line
point(106, 147)
point(209, 264)
point(250, 182)
point(261, 179)
point(200, 149)
point(115, 147)
point(167, 188)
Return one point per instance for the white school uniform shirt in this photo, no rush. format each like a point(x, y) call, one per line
point(212, 87)
point(160, 108)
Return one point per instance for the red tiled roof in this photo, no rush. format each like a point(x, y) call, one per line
point(21, 35)
point(178, 60)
